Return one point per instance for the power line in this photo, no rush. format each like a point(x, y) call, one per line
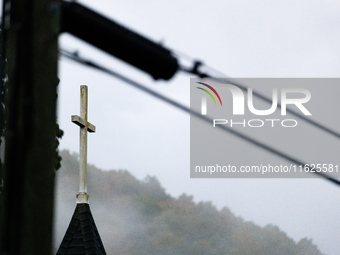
point(75, 57)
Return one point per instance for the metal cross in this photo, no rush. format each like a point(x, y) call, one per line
point(85, 127)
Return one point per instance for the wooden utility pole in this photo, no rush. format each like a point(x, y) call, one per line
point(31, 43)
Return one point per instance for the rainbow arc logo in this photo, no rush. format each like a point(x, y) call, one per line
point(204, 99)
point(212, 89)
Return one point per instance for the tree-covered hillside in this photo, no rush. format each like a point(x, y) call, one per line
point(138, 218)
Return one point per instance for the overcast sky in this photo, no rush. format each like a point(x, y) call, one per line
point(243, 38)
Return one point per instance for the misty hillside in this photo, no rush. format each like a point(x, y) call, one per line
point(138, 218)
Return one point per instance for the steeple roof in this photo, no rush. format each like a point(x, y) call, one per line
point(82, 237)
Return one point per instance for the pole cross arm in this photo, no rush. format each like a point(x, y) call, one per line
point(81, 123)
point(117, 40)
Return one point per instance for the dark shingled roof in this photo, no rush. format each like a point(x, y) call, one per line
point(82, 236)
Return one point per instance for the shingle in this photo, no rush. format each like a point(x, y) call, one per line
point(74, 222)
point(82, 236)
point(62, 250)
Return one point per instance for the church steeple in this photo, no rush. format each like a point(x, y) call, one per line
point(82, 236)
